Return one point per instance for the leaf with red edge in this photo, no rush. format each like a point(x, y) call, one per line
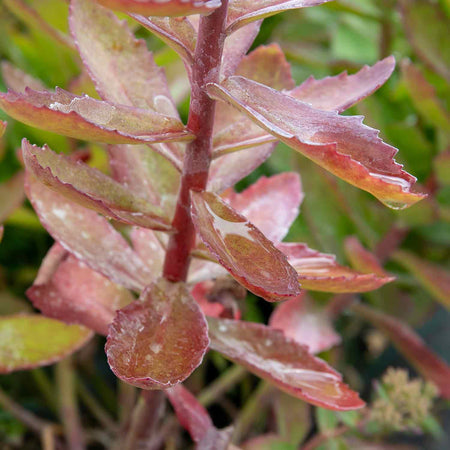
point(242, 249)
point(12, 195)
point(340, 144)
point(17, 80)
point(271, 204)
point(306, 324)
point(28, 341)
point(320, 271)
point(158, 340)
point(342, 91)
point(282, 361)
point(411, 346)
point(242, 12)
point(163, 8)
point(89, 119)
point(88, 236)
point(91, 188)
point(435, 279)
point(76, 294)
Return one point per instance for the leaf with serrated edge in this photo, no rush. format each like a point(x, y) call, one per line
point(340, 144)
point(411, 346)
point(158, 340)
point(306, 324)
point(163, 8)
point(242, 249)
point(320, 271)
point(30, 341)
point(342, 91)
point(88, 236)
point(91, 188)
point(86, 118)
point(269, 354)
point(242, 12)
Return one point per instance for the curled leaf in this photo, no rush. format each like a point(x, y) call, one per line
point(29, 341)
point(158, 340)
point(242, 249)
point(288, 365)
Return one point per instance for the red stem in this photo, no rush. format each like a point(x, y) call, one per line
point(206, 69)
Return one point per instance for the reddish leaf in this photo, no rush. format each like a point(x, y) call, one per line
point(163, 8)
point(2, 127)
point(342, 145)
point(244, 11)
point(342, 91)
point(29, 341)
point(17, 80)
point(158, 340)
point(77, 294)
point(11, 194)
point(411, 346)
point(89, 119)
point(306, 324)
point(242, 249)
point(88, 236)
point(435, 279)
point(91, 188)
point(271, 204)
point(280, 360)
point(320, 271)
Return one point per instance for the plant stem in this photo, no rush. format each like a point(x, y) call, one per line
point(206, 69)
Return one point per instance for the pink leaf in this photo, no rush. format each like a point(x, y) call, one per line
point(280, 360)
point(245, 11)
point(158, 340)
point(271, 204)
point(342, 145)
point(91, 188)
point(11, 194)
point(306, 324)
point(89, 119)
point(88, 236)
point(17, 80)
point(242, 249)
point(411, 346)
point(342, 91)
point(149, 248)
point(320, 271)
point(163, 8)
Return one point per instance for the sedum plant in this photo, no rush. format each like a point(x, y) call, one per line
point(155, 254)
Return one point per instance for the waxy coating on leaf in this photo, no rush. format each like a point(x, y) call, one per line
point(320, 271)
point(271, 204)
point(158, 340)
point(306, 324)
point(242, 249)
point(411, 346)
point(340, 144)
point(271, 355)
point(342, 91)
point(243, 11)
point(147, 245)
point(86, 118)
point(163, 7)
point(89, 236)
point(29, 341)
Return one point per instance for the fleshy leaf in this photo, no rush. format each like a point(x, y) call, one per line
point(342, 91)
point(91, 188)
point(88, 236)
point(271, 204)
point(17, 80)
point(164, 7)
point(158, 340)
point(282, 361)
point(149, 248)
point(411, 346)
point(29, 341)
point(435, 279)
point(77, 294)
point(86, 118)
point(242, 249)
point(301, 321)
point(340, 144)
point(320, 271)
point(242, 12)
point(11, 195)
